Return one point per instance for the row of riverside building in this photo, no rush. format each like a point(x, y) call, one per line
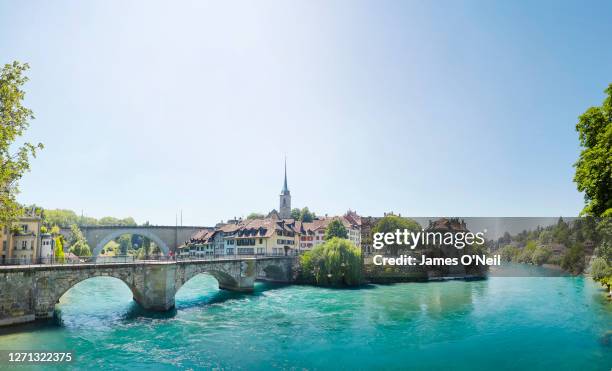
point(276, 234)
point(23, 242)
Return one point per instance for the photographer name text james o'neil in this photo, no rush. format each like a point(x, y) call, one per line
point(427, 261)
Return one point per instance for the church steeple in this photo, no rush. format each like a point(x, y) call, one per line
point(285, 199)
point(285, 190)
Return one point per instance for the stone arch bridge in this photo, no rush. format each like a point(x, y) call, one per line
point(30, 292)
point(168, 238)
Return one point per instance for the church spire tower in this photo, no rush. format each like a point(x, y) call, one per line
point(285, 198)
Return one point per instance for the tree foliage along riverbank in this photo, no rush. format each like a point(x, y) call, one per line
point(594, 178)
point(566, 244)
point(594, 166)
point(337, 262)
point(14, 121)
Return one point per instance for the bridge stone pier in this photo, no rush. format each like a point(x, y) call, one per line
point(28, 293)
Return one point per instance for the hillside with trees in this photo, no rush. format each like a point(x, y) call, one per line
point(567, 244)
point(65, 218)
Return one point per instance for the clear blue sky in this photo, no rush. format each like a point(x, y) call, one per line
point(426, 108)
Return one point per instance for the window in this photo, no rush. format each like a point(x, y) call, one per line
point(277, 251)
point(260, 241)
point(260, 250)
point(246, 242)
point(24, 227)
point(24, 245)
point(3, 245)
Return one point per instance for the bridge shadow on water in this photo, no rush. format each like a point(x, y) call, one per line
point(218, 296)
point(40, 324)
point(103, 308)
point(222, 296)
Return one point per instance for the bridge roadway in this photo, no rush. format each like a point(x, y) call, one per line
point(30, 292)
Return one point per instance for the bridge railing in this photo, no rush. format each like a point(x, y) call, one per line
point(101, 260)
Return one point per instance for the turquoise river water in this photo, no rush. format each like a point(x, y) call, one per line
point(534, 323)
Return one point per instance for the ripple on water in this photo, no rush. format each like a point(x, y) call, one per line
point(501, 323)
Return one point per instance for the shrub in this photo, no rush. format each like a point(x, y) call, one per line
point(600, 269)
point(573, 260)
point(540, 255)
point(509, 253)
point(337, 262)
point(526, 256)
point(555, 260)
point(59, 250)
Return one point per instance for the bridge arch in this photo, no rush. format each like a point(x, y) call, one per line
point(137, 231)
point(230, 275)
point(224, 279)
point(59, 293)
point(50, 290)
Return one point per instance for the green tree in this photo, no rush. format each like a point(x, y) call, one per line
point(594, 166)
point(546, 237)
point(337, 262)
point(561, 232)
point(59, 250)
point(87, 220)
point(306, 215)
point(129, 221)
point(111, 249)
point(604, 232)
point(146, 250)
point(509, 253)
point(125, 243)
point(78, 243)
point(295, 214)
point(303, 215)
point(252, 216)
point(335, 228)
point(60, 217)
point(540, 255)
point(604, 251)
point(573, 260)
point(600, 269)
point(14, 121)
point(65, 217)
point(55, 230)
point(526, 255)
point(390, 224)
